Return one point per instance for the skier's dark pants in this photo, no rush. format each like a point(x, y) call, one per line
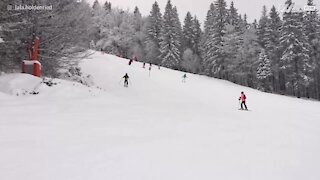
point(243, 103)
point(126, 83)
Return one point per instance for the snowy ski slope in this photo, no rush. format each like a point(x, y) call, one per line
point(157, 129)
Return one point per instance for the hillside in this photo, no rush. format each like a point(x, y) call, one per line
point(156, 129)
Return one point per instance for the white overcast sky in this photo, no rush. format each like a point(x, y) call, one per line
point(199, 8)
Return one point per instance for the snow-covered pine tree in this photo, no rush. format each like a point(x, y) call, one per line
point(246, 61)
point(96, 5)
point(231, 47)
point(191, 61)
point(272, 45)
point(187, 38)
point(262, 28)
point(137, 45)
point(191, 44)
point(117, 33)
point(255, 24)
point(206, 43)
point(217, 38)
point(212, 45)
point(295, 60)
point(107, 6)
point(209, 20)
point(264, 72)
point(312, 30)
point(12, 50)
point(243, 23)
point(98, 13)
point(245, 19)
point(197, 33)
point(153, 32)
point(170, 45)
point(233, 40)
point(311, 23)
point(233, 16)
point(178, 27)
point(137, 19)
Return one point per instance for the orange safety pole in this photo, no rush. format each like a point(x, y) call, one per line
point(36, 65)
point(35, 49)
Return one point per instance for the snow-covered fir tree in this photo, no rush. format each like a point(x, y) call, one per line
point(188, 33)
point(264, 71)
point(219, 30)
point(233, 16)
point(137, 19)
point(233, 40)
point(272, 45)
point(295, 60)
point(206, 44)
point(117, 32)
point(170, 45)
point(246, 62)
point(215, 29)
point(107, 6)
point(209, 20)
point(262, 28)
point(138, 41)
point(96, 5)
point(197, 34)
point(153, 32)
point(312, 31)
point(178, 26)
point(191, 44)
point(245, 19)
point(191, 61)
point(255, 24)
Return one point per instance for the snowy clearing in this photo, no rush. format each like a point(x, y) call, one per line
point(157, 129)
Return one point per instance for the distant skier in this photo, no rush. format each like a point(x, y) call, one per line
point(150, 65)
point(144, 65)
point(184, 77)
point(130, 62)
point(126, 80)
point(243, 98)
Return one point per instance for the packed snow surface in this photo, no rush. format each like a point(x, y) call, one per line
point(157, 129)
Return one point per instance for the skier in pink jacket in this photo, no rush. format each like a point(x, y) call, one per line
point(242, 98)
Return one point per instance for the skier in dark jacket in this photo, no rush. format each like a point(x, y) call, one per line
point(184, 78)
point(242, 98)
point(126, 80)
point(130, 62)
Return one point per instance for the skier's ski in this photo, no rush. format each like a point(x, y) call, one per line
point(244, 110)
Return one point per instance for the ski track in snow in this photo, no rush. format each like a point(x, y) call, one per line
point(157, 129)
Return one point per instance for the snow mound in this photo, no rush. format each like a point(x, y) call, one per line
point(16, 84)
point(25, 84)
